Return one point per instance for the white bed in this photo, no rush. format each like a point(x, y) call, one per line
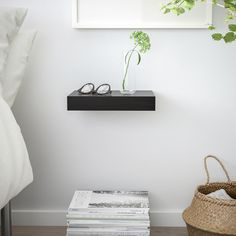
point(16, 171)
point(15, 168)
point(15, 44)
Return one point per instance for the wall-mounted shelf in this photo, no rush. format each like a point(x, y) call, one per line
point(139, 101)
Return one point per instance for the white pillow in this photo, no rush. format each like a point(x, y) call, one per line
point(11, 20)
point(16, 64)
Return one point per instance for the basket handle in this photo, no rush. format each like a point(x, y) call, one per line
point(221, 164)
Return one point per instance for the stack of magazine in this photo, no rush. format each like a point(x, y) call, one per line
point(116, 213)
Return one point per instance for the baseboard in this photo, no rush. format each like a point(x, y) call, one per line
point(38, 218)
point(57, 218)
point(167, 218)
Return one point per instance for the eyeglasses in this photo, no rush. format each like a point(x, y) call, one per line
point(89, 88)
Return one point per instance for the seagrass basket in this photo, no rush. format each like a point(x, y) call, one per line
point(208, 216)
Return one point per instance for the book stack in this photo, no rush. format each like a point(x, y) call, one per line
point(105, 213)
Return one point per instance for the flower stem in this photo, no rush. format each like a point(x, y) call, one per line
point(127, 66)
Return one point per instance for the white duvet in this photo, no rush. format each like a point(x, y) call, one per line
point(15, 169)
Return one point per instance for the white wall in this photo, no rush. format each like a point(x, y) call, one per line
point(162, 152)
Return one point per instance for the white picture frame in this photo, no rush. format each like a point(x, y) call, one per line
point(144, 14)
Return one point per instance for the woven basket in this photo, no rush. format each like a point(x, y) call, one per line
point(209, 216)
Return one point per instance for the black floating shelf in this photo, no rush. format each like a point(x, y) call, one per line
point(139, 101)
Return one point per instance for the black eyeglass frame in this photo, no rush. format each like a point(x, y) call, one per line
point(93, 90)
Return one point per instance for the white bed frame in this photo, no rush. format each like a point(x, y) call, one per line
point(6, 220)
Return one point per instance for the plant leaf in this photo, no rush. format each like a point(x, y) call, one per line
point(180, 10)
point(189, 4)
point(211, 27)
point(232, 27)
point(139, 58)
point(229, 37)
point(167, 10)
point(217, 36)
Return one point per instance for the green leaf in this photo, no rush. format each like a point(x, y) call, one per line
point(211, 27)
point(167, 10)
point(217, 36)
point(180, 10)
point(189, 4)
point(174, 10)
point(230, 5)
point(229, 37)
point(232, 27)
point(139, 58)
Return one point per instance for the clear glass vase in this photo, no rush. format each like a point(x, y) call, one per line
point(128, 85)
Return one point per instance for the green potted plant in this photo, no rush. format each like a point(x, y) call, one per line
point(141, 46)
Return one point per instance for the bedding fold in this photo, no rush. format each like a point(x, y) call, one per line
point(16, 172)
point(15, 168)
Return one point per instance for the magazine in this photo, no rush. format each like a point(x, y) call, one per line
point(107, 223)
point(108, 232)
point(105, 216)
point(110, 201)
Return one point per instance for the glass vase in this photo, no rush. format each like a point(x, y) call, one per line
point(128, 85)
